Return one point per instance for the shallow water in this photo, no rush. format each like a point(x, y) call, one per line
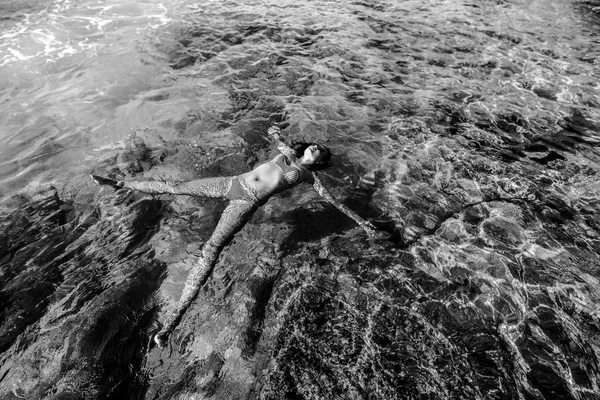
point(467, 132)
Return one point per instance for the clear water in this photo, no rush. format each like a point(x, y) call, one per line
point(466, 131)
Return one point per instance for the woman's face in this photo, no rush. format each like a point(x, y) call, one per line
point(314, 154)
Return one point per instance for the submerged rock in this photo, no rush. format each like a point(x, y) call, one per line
point(503, 231)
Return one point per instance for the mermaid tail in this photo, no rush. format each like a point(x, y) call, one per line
point(234, 217)
point(162, 337)
point(100, 180)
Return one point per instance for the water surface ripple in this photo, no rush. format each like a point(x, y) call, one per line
point(466, 131)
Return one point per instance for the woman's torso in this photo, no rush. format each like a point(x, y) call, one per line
point(275, 176)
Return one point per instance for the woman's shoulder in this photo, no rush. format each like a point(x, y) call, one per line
point(306, 175)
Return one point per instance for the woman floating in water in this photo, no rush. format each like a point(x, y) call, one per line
point(246, 193)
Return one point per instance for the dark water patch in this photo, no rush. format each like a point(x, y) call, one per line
point(312, 223)
point(590, 12)
point(580, 124)
point(255, 109)
point(522, 139)
point(553, 315)
point(120, 336)
point(546, 92)
point(376, 6)
point(158, 97)
point(548, 158)
point(35, 237)
point(262, 290)
point(334, 334)
point(197, 44)
point(16, 10)
point(73, 258)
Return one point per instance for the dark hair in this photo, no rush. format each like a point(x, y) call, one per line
point(325, 163)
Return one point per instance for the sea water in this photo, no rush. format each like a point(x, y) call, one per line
point(466, 131)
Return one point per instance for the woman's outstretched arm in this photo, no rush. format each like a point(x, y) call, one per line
point(322, 190)
point(275, 133)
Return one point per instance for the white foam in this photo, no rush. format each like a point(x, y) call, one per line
point(18, 55)
point(19, 29)
point(62, 30)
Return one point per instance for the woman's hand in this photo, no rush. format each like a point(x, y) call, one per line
point(274, 132)
point(369, 228)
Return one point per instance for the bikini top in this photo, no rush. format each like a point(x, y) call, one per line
point(291, 173)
